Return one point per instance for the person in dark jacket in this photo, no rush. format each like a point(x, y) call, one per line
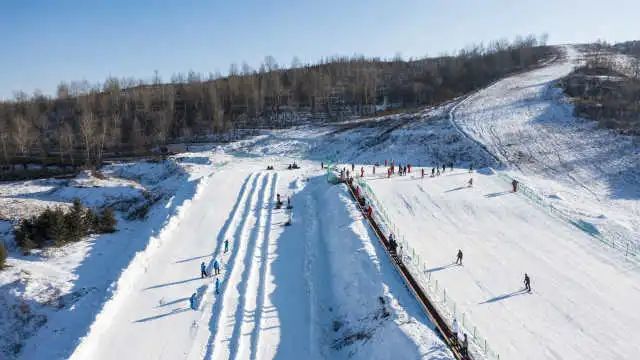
point(459, 257)
point(527, 282)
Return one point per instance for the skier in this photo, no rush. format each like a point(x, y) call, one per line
point(388, 173)
point(514, 183)
point(438, 172)
point(353, 167)
point(465, 346)
point(217, 286)
point(423, 173)
point(374, 169)
point(278, 201)
point(470, 182)
point(409, 168)
point(443, 168)
point(433, 172)
point(362, 171)
point(322, 165)
point(192, 301)
point(459, 257)
point(454, 330)
point(226, 245)
point(216, 267)
point(203, 270)
point(527, 282)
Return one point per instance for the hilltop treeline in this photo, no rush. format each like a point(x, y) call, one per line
point(84, 123)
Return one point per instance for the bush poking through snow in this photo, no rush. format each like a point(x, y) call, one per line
point(107, 221)
point(3, 255)
point(59, 228)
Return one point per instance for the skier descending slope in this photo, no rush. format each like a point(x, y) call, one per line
point(527, 282)
point(459, 257)
point(226, 245)
point(217, 285)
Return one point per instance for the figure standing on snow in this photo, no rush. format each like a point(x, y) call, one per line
point(527, 282)
point(454, 330)
point(216, 267)
point(470, 182)
point(226, 245)
point(443, 168)
point(433, 172)
point(217, 286)
point(465, 346)
point(192, 301)
point(459, 257)
point(514, 183)
point(203, 270)
point(362, 171)
point(423, 173)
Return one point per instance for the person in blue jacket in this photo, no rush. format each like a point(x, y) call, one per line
point(203, 270)
point(192, 301)
point(216, 267)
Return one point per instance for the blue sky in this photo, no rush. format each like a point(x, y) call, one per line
point(45, 42)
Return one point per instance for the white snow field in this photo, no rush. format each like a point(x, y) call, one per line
point(322, 287)
point(319, 288)
point(591, 174)
point(585, 296)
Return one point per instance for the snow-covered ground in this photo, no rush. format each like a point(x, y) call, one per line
point(315, 289)
point(49, 299)
point(322, 287)
point(591, 174)
point(585, 295)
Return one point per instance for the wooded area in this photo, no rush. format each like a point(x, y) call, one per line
point(83, 124)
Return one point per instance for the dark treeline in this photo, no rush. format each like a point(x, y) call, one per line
point(601, 92)
point(84, 124)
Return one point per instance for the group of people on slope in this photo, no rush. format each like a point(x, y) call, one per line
point(193, 299)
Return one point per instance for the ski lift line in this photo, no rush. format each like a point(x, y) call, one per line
point(413, 286)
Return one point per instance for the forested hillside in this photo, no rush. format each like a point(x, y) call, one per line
point(83, 124)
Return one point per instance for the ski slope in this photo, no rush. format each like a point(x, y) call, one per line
point(319, 288)
point(585, 296)
point(591, 174)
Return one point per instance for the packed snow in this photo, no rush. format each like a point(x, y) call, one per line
point(313, 281)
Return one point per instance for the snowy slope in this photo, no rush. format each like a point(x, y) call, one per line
point(315, 289)
point(592, 174)
point(585, 296)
